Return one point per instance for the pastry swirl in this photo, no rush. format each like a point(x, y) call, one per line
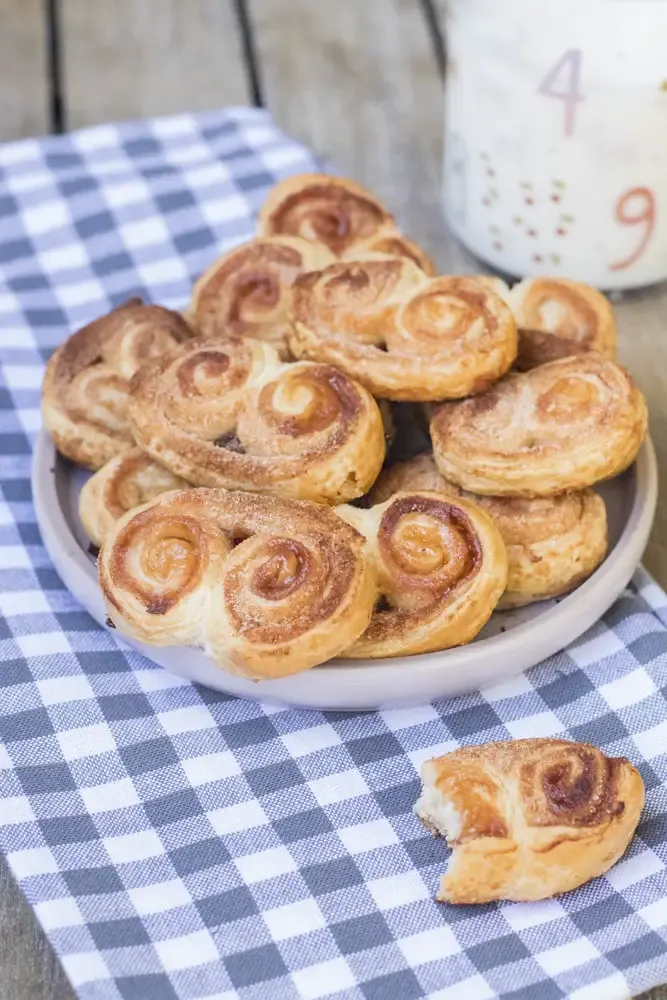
point(126, 481)
point(562, 426)
point(528, 819)
point(557, 318)
point(268, 587)
point(247, 292)
point(325, 209)
point(441, 568)
point(229, 413)
point(86, 385)
point(553, 543)
point(337, 213)
point(403, 335)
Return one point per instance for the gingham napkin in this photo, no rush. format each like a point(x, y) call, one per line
point(178, 843)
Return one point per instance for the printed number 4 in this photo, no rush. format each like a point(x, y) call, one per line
point(562, 81)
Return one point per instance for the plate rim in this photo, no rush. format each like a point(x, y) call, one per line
point(74, 567)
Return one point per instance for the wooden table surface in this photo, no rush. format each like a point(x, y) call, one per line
point(359, 81)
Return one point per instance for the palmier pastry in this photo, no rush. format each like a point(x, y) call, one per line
point(441, 568)
point(562, 426)
point(492, 284)
point(403, 335)
point(247, 292)
point(85, 392)
point(528, 819)
point(557, 318)
point(338, 213)
point(229, 413)
point(126, 481)
point(269, 587)
point(553, 543)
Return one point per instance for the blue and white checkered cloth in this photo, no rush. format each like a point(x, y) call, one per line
point(178, 843)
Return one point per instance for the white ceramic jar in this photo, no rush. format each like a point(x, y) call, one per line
point(556, 136)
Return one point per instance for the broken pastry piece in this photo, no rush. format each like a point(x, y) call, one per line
point(528, 819)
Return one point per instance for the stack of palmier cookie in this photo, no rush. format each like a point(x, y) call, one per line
point(230, 443)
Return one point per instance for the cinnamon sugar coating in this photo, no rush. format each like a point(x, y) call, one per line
point(553, 543)
point(267, 586)
point(228, 413)
point(85, 394)
point(528, 819)
point(404, 335)
point(562, 426)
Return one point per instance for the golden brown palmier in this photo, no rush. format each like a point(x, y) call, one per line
point(267, 586)
point(557, 318)
point(325, 209)
point(229, 413)
point(247, 292)
point(441, 568)
point(553, 543)
point(528, 819)
point(129, 480)
point(403, 335)
point(336, 212)
point(562, 426)
point(86, 385)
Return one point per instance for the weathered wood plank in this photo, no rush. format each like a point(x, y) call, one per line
point(28, 968)
point(24, 89)
point(135, 58)
point(642, 319)
point(359, 83)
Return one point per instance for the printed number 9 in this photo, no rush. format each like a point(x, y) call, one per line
point(636, 207)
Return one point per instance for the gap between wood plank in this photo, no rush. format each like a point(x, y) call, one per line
point(436, 34)
point(244, 20)
point(54, 66)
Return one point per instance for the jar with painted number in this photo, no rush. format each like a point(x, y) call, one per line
point(556, 137)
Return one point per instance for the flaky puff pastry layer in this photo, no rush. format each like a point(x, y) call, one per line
point(553, 543)
point(403, 335)
point(441, 567)
point(268, 587)
point(129, 480)
point(558, 318)
point(528, 819)
point(86, 385)
point(337, 213)
point(562, 426)
point(230, 413)
point(247, 292)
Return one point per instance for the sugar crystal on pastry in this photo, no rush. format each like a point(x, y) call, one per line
point(528, 819)
point(562, 426)
point(441, 568)
point(553, 543)
point(404, 336)
point(222, 412)
point(557, 318)
point(247, 291)
point(267, 586)
point(126, 481)
point(85, 394)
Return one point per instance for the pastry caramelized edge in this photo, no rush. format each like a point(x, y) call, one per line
point(460, 611)
point(537, 570)
point(489, 861)
point(544, 474)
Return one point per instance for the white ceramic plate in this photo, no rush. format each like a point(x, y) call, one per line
point(511, 642)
